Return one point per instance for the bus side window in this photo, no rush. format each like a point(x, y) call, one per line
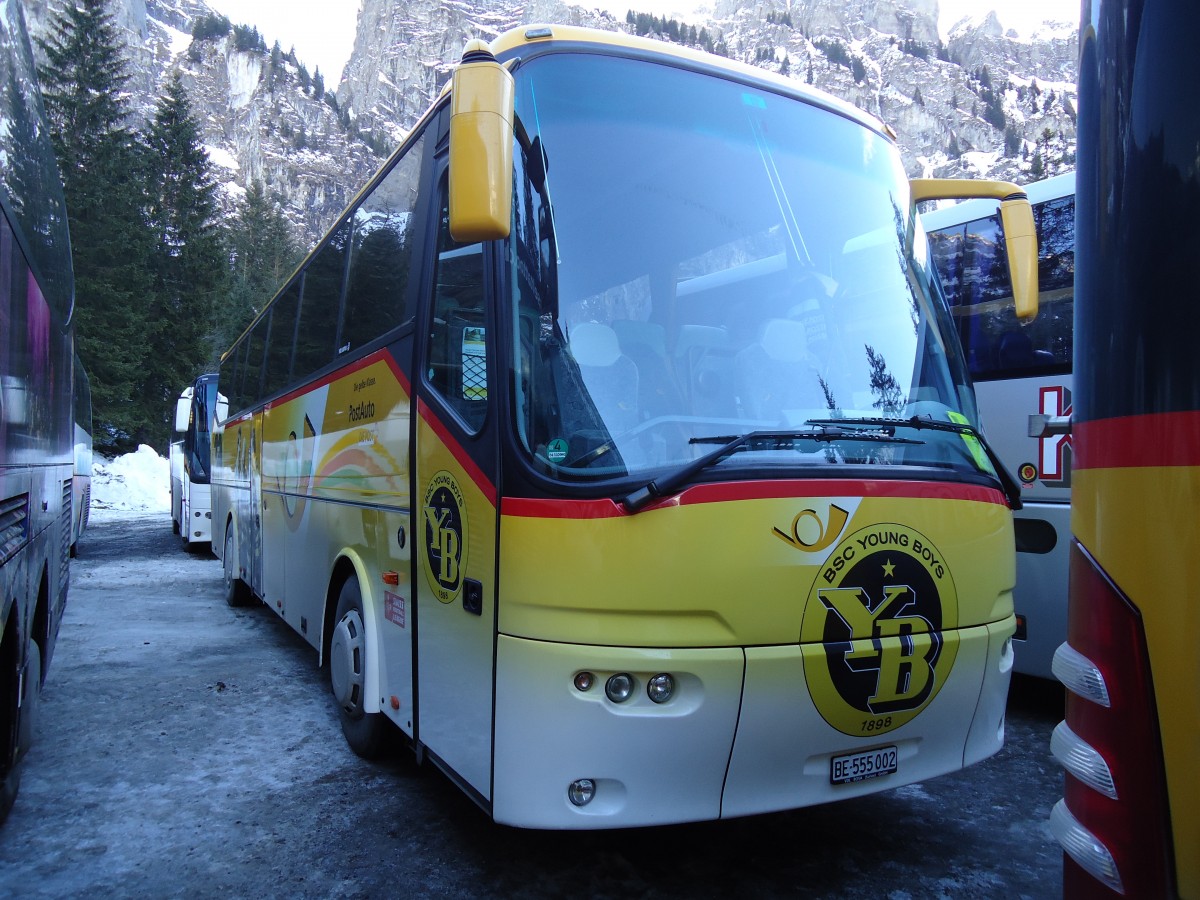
point(256, 351)
point(456, 356)
point(377, 293)
point(319, 307)
point(283, 334)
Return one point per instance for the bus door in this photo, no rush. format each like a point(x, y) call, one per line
point(246, 497)
point(274, 532)
point(253, 531)
point(454, 508)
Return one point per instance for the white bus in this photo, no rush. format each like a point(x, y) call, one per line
point(1021, 369)
point(190, 462)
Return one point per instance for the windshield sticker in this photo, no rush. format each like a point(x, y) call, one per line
point(977, 452)
point(556, 452)
point(445, 536)
point(884, 609)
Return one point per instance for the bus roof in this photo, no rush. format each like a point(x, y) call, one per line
point(509, 44)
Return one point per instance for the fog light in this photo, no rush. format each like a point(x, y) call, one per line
point(581, 792)
point(619, 687)
point(660, 688)
point(584, 681)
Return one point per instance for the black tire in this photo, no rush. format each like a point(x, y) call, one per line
point(237, 592)
point(174, 525)
point(366, 733)
point(10, 722)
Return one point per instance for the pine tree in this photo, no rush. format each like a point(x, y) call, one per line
point(1037, 166)
point(82, 87)
point(188, 262)
point(275, 70)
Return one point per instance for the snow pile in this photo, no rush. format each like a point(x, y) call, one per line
point(136, 482)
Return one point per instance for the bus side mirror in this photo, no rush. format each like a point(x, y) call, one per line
point(481, 141)
point(183, 406)
point(1020, 235)
point(222, 409)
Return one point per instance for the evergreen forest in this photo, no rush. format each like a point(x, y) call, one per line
point(162, 285)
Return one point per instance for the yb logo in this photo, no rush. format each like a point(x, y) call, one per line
point(898, 650)
point(445, 536)
point(879, 629)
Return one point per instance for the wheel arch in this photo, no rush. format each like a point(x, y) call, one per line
point(350, 563)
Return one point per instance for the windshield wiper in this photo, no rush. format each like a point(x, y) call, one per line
point(1012, 490)
point(758, 440)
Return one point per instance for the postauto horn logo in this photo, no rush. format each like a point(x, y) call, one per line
point(884, 610)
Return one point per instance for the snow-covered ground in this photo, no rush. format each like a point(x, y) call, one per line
point(134, 484)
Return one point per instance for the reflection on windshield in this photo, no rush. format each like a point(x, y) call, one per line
point(691, 257)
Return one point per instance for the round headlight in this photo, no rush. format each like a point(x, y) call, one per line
point(581, 792)
point(661, 688)
point(619, 687)
point(584, 681)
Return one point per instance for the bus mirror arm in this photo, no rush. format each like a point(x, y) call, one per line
point(1041, 426)
point(1020, 233)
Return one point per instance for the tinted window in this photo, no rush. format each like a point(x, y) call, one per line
point(971, 260)
point(458, 337)
point(322, 296)
point(283, 333)
point(381, 253)
point(252, 372)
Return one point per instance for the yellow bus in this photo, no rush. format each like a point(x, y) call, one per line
point(615, 449)
point(1130, 818)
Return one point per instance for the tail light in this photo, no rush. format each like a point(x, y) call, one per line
point(1113, 822)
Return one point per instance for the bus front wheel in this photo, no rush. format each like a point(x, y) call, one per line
point(365, 732)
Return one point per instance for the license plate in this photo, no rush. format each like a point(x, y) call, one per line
point(850, 767)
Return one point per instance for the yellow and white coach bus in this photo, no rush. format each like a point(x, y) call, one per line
point(615, 447)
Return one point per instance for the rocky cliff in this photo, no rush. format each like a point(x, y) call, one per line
point(983, 102)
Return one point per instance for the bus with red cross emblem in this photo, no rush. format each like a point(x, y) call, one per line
point(1022, 375)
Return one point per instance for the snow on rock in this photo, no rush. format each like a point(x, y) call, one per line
point(219, 156)
point(136, 483)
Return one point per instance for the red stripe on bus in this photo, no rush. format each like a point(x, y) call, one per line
point(756, 490)
point(485, 485)
point(1140, 441)
point(378, 356)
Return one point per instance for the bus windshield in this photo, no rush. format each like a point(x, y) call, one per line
point(692, 257)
